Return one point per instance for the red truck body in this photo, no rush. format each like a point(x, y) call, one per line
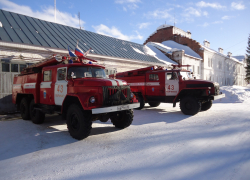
point(55, 86)
point(155, 85)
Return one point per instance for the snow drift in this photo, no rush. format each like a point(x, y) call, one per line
point(235, 94)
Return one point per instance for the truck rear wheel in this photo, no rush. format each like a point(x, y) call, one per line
point(79, 123)
point(37, 116)
point(207, 105)
point(142, 102)
point(190, 106)
point(154, 104)
point(122, 119)
point(24, 109)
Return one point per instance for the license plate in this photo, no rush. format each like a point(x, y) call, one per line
point(125, 107)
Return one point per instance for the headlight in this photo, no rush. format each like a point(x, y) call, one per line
point(92, 99)
point(131, 95)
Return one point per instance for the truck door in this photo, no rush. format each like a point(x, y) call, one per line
point(152, 84)
point(60, 90)
point(171, 83)
point(47, 88)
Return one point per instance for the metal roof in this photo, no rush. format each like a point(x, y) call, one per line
point(23, 29)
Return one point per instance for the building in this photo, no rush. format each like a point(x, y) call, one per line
point(25, 40)
point(214, 65)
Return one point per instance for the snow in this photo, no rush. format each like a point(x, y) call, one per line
point(214, 51)
point(153, 51)
point(137, 50)
point(188, 50)
point(235, 94)
point(161, 143)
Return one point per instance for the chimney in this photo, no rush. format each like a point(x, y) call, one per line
point(220, 50)
point(206, 43)
point(189, 34)
point(229, 54)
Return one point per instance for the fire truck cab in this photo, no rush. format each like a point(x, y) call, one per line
point(155, 85)
point(80, 92)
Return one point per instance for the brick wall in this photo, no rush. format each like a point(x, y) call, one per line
point(167, 34)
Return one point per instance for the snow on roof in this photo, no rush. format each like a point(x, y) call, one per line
point(216, 52)
point(153, 51)
point(240, 58)
point(137, 50)
point(176, 46)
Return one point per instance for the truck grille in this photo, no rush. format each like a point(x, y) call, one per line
point(116, 95)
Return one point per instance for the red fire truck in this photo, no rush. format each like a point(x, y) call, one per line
point(80, 92)
point(154, 85)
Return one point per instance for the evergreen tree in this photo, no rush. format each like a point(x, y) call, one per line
point(248, 62)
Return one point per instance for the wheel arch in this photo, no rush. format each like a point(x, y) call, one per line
point(67, 102)
point(21, 96)
point(189, 92)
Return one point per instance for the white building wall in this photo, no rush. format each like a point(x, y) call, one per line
point(222, 69)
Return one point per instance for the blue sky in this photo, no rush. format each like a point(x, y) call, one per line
point(223, 23)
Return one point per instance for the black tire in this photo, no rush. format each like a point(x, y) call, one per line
point(25, 109)
point(141, 101)
point(207, 105)
point(37, 116)
point(154, 104)
point(190, 105)
point(104, 118)
point(122, 119)
point(78, 122)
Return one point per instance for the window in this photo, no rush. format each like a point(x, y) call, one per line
point(85, 72)
point(198, 69)
point(61, 74)
point(47, 75)
point(220, 65)
point(14, 67)
point(21, 67)
point(169, 75)
point(5, 67)
point(193, 69)
point(153, 77)
point(174, 76)
point(209, 62)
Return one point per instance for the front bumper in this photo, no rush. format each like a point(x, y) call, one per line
point(218, 96)
point(115, 108)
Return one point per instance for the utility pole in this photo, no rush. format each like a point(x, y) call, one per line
point(79, 19)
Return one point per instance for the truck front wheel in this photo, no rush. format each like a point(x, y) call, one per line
point(154, 104)
point(207, 105)
point(190, 105)
point(79, 123)
point(141, 101)
point(24, 109)
point(122, 119)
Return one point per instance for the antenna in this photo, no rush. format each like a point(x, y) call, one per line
point(55, 9)
point(79, 20)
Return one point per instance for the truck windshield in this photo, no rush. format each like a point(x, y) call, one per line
point(85, 72)
point(185, 75)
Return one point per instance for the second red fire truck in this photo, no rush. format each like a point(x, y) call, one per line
point(154, 85)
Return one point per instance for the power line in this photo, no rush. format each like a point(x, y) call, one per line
point(235, 44)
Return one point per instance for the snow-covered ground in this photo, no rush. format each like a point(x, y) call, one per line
point(162, 143)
